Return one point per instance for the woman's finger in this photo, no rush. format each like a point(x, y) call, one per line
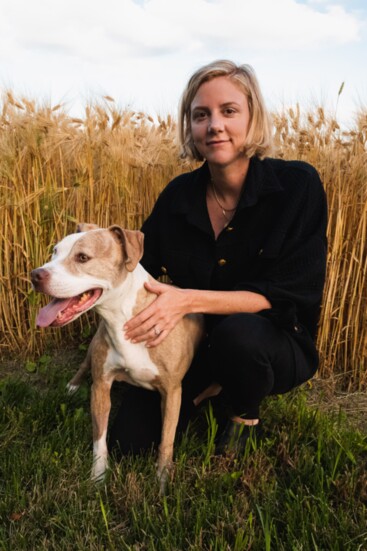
point(158, 339)
point(141, 332)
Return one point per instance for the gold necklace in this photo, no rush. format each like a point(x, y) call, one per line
point(224, 211)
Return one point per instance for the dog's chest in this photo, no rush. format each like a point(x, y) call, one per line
point(131, 363)
point(127, 361)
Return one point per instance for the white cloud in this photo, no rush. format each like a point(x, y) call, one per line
point(260, 24)
point(119, 28)
point(142, 51)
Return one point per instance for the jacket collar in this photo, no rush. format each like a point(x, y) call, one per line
point(261, 180)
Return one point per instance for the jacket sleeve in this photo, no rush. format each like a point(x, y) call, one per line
point(293, 280)
point(151, 228)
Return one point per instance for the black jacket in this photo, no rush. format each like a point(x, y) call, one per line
point(275, 245)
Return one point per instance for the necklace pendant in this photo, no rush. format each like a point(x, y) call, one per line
point(231, 212)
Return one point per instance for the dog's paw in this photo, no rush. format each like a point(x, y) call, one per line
point(71, 389)
point(164, 472)
point(163, 479)
point(98, 479)
point(99, 470)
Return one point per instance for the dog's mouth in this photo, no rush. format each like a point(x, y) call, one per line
point(61, 311)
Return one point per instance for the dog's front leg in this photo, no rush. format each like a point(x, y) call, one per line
point(80, 375)
point(100, 409)
point(170, 405)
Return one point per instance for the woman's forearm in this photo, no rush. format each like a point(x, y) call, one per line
point(225, 302)
point(172, 304)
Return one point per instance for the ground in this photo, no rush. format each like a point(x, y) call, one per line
point(325, 394)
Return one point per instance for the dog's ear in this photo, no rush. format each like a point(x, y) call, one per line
point(132, 242)
point(83, 226)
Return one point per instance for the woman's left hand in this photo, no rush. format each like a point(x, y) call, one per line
point(154, 323)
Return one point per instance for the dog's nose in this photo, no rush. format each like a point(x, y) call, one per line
point(38, 276)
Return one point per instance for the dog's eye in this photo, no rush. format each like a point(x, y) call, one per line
point(82, 257)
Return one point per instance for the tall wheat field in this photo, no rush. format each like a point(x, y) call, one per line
point(109, 166)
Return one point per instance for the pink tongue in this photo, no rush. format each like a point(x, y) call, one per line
point(48, 314)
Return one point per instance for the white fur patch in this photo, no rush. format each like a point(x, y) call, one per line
point(133, 358)
point(100, 461)
point(62, 283)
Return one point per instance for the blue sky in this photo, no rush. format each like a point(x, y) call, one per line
point(141, 52)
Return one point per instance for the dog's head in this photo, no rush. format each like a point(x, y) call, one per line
point(84, 266)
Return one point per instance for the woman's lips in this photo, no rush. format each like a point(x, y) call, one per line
point(219, 142)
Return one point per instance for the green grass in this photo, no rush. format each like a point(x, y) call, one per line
point(303, 488)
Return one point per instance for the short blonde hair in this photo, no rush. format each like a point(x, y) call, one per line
point(259, 137)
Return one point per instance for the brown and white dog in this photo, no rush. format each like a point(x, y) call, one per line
point(99, 268)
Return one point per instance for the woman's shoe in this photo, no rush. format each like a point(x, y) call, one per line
point(235, 437)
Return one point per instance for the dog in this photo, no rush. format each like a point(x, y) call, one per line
point(100, 268)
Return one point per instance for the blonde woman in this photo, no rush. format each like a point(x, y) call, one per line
point(243, 239)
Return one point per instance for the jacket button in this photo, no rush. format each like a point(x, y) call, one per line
point(260, 252)
point(222, 262)
point(163, 269)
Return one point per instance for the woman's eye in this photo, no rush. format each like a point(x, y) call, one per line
point(199, 115)
point(230, 111)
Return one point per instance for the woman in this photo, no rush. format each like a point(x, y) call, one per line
point(244, 240)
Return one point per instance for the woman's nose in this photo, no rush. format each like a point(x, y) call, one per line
point(215, 124)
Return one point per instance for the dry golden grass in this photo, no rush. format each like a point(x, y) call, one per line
point(341, 159)
point(56, 170)
point(109, 166)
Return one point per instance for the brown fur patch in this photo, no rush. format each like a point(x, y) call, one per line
point(98, 352)
point(101, 400)
point(143, 299)
point(173, 356)
point(84, 226)
point(106, 260)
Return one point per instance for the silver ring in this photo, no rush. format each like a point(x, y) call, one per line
point(157, 332)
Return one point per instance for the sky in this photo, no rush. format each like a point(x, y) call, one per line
point(142, 52)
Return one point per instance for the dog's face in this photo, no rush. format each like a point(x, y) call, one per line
point(83, 267)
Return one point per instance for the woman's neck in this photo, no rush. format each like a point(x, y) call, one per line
point(223, 193)
point(228, 180)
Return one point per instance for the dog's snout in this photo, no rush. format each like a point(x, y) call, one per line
point(39, 276)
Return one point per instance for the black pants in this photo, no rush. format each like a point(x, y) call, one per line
point(246, 353)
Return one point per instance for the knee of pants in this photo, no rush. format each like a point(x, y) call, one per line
point(242, 342)
point(247, 334)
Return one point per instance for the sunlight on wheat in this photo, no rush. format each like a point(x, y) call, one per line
point(109, 166)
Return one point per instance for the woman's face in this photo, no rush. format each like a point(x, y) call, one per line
point(219, 121)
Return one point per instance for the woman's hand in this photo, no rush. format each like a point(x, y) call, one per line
point(154, 323)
